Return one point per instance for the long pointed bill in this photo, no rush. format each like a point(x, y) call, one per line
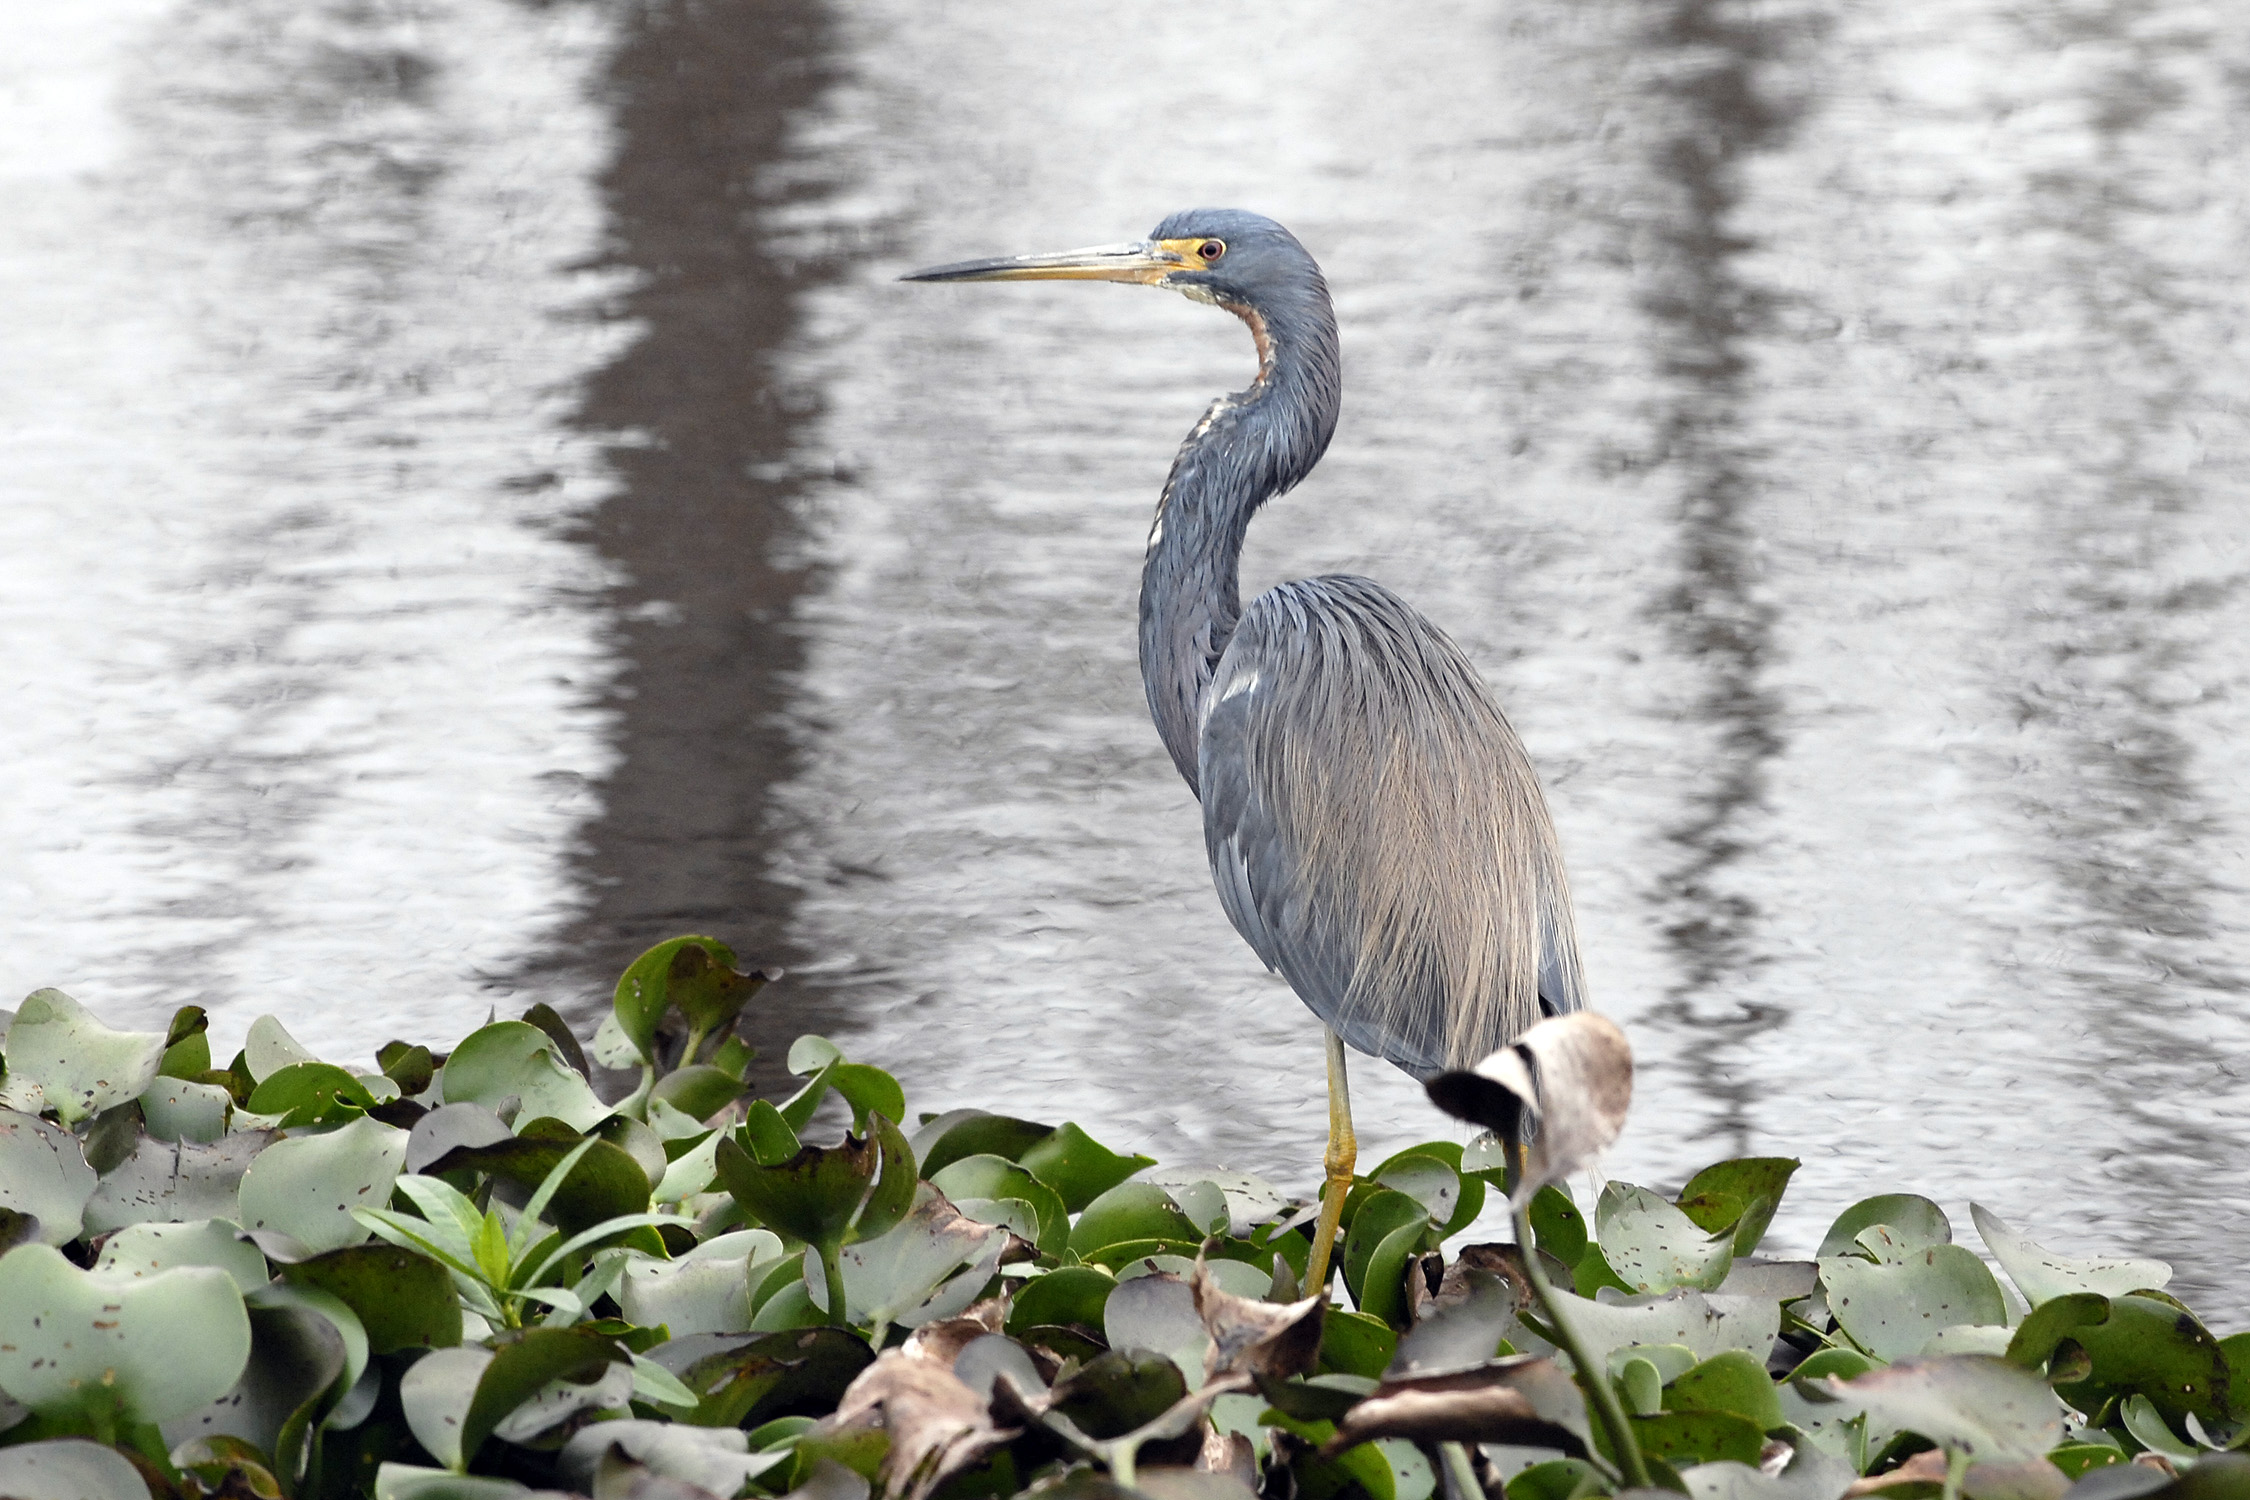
point(1145, 261)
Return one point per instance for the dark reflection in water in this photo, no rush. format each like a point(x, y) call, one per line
point(1703, 310)
point(704, 93)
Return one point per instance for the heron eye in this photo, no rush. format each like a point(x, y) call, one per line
point(1211, 249)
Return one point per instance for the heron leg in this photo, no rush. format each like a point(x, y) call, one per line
point(1343, 1155)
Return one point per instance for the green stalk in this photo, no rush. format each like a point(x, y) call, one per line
point(832, 1269)
point(1956, 1468)
point(1460, 1471)
point(1124, 1459)
point(1592, 1376)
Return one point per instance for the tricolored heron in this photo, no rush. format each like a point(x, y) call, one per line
point(1376, 830)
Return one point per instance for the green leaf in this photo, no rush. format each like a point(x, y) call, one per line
point(187, 1044)
point(516, 1058)
point(410, 1067)
point(1073, 1295)
point(606, 1183)
point(1557, 1226)
point(1706, 1326)
point(987, 1176)
point(1742, 1193)
point(1967, 1403)
point(435, 1393)
point(869, 1091)
point(1916, 1224)
point(2052, 1321)
point(518, 1370)
point(143, 1250)
point(1118, 1392)
point(2154, 1349)
point(69, 1467)
point(1681, 1438)
point(179, 1109)
point(43, 1173)
point(1383, 1279)
point(1735, 1382)
point(307, 1186)
point(972, 1132)
point(811, 1197)
point(269, 1048)
point(698, 1090)
point(1352, 1343)
point(1556, 1479)
point(887, 1278)
point(1130, 1211)
point(2041, 1274)
point(771, 1139)
point(1892, 1310)
point(302, 1361)
point(1424, 1174)
point(109, 1345)
point(695, 973)
point(60, 1058)
point(2079, 1459)
point(893, 1196)
point(403, 1299)
point(1077, 1166)
point(309, 1093)
point(751, 1380)
point(1654, 1247)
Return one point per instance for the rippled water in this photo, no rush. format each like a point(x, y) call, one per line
point(475, 500)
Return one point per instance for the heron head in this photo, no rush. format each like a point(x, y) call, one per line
point(1228, 256)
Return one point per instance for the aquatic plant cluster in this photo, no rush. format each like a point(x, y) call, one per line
point(468, 1275)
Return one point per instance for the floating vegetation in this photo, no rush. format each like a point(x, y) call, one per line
point(467, 1275)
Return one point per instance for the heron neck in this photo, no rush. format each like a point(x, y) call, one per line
point(1249, 447)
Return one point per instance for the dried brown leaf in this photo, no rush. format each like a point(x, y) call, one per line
point(937, 1425)
point(1526, 1401)
point(1563, 1087)
point(1249, 1337)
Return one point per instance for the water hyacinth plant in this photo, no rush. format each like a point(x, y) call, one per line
point(466, 1274)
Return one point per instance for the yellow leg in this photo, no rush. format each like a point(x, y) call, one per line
point(1343, 1155)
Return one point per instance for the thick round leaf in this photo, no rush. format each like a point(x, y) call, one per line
point(1250, 1200)
point(403, 1300)
point(68, 1469)
point(812, 1196)
point(1681, 1438)
point(1916, 1223)
point(2041, 1274)
point(1157, 1314)
point(522, 1369)
point(1707, 1323)
point(516, 1058)
point(1072, 1295)
point(60, 1058)
point(1130, 1211)
point(307, 1187)
point(1121, 1390)
point(72, 1340)
point(269, 1048)
point(450, 1126)
point(694, 974)
point(180, 1181)
point(1557, 1227)
point(1731, 1382)
point(2047, 1325)
point(606, 1183)
point(700, 1294)
point(435, 1394)
point(307, 1093)
point(972, 1132)
point(301, 1364)
point(1426, 1178)
point(1077, 1166)
point(1969, 1403)
point(698, 1090)
point(988, 1176)
point(1812, 1474)
point(1377, 1217)
point(1653, 1247)
point(144, 1250)
point(1352, 1343)
point(746, 1381)
point(180, 1109)
point(1742, 1193)
point(43, 1173)
point(1892, 1310)
point(890, 1278)
point(2153, 1349)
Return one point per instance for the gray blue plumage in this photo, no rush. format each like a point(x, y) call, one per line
point(1376, 831)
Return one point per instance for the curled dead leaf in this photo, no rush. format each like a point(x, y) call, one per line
point(1526, 1401)
point(1251, 1337)
point(1562, 1089)
point(938, 1426)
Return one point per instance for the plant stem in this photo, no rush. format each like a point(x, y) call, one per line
point(1956, 1468)
point(832, 1269)
point(1123, 1459)
point(1592, 1376)
point(1459, 1470)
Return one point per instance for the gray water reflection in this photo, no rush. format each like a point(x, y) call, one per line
point(475, 499)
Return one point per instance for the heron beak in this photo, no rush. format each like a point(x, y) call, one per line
point(1144, 261)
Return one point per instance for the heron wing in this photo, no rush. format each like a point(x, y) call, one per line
point(1376, 830)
